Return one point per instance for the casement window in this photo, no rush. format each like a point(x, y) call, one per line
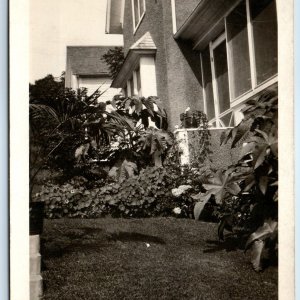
point(240, 62)
point(142, 82)
point(138, 12)
point(133, 87)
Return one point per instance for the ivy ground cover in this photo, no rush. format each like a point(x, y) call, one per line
point(154, 258)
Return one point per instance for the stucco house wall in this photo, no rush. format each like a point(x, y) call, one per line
point(178, 73)
point(183, 10)
point(177, 31)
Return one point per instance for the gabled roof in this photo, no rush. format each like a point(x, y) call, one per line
point(86, 60)
point(143, 46)
point(145, 42)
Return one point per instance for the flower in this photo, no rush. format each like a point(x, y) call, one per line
point(180, 190)
point(177, 210)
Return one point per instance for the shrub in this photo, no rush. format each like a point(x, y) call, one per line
point(248, 190)
point(114, 58)
point(151, 193)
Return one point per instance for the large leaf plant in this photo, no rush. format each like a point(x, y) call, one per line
point(255, 175)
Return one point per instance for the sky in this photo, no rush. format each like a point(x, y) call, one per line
point(55, 24)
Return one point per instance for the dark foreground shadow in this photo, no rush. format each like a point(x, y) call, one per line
point(230, 244)
point(135, 237)
point(88, 240)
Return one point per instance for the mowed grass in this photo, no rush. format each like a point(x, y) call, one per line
point(155, 258)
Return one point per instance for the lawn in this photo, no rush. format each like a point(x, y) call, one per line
point(155, 258)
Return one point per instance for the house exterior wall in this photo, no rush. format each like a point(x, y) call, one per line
point(103, 83)
point(221, 156)
point(183, 71)
point(177, 67)
point(68, 76)
point(183, 10)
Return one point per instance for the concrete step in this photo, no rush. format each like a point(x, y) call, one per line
point(35, 264)
point(34, 244)
point(36, 287)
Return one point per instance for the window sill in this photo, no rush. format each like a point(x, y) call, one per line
point(259, 88)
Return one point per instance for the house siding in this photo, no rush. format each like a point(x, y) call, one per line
point(183, 10)
point(183, 72)
point(177, 66)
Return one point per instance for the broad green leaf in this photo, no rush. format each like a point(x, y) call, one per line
point(199, 206)
point(263, 184)
point(249, 182)
point(264, 231)
point(259, 154)
point(257, 249)
point(257, 241)
point(221, 185)
point(241, 132)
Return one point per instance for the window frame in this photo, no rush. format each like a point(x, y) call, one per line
point(140, 16)
point(134, 82)
point(236, 103)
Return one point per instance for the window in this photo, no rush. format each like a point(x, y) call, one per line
point(241, 62)
point(263, 17)
point(134, 84)
point(220, 71)
point(130, 87)
point(238, 46)
point(138, 9)
point(142, 80)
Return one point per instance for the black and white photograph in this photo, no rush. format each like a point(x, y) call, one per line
point(151, 149)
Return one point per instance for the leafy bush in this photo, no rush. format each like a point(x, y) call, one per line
point(114, 58)
point(73, 130)
point(154, 192)
point(255, 175)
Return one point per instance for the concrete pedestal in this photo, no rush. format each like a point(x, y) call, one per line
point(36, 280)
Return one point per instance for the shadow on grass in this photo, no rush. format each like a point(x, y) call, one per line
point(84, 240)
point(88, 240)
point(231, 243)
point(83, 232)
point(135, 237)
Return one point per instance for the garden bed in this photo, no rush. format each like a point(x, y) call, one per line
point(155, 258)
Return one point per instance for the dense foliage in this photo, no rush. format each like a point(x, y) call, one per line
point(73, 133)
point(147, 194)
point(199, 139)
point(248, 190)
point(47, 90)
point(114, 59)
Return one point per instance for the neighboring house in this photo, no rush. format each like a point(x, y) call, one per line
point(85, 69)
point(210, 55)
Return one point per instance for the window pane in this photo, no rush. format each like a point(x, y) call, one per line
point(264, 22)
point(238, 48)
point(136, 12)
point(142, 7)
point(221, 73)
point(228, 120)
point(207, 84)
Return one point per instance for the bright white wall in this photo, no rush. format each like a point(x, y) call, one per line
point(93, 83)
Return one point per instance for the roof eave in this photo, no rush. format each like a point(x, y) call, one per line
point(205, 22)
point(92, 74)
